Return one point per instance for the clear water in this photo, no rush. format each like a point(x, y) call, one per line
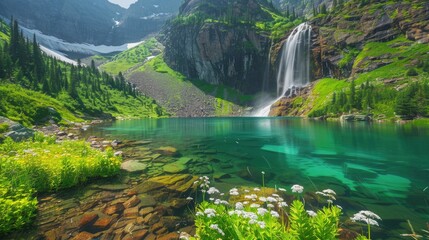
point(379, 167)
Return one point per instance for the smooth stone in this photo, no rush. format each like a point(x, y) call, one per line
point(112, 187)
point(87, 219)
point(131, 212)
point(169, 236)
point(169, 151)
point(178, 183)
point(133, 166)
point(117, 208)
point(170, 222)
point(147, 201)
point(144, 211)
point(102, 223)
point(133, 201)
point(137, 235)
point(83, 236)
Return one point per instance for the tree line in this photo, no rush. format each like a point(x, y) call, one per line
point(23, 62)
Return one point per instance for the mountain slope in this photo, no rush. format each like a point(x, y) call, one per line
point(96, 22)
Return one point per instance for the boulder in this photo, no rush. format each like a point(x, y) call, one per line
point(88, 219)
point(169, 151)
point(175, 184)
point(15, 130)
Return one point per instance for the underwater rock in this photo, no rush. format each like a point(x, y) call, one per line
point(133, 166)
point(169, 151)
point(83, 236)
point(87, 219)
point(133, 201)
point(102, 223)
point(117, 208)
point(178, 166)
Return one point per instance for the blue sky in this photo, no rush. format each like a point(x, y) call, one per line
point(123, 3)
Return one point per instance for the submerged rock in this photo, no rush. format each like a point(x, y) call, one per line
point(133, 166)
point(169, 151)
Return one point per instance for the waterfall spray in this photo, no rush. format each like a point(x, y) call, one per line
point(294, 68)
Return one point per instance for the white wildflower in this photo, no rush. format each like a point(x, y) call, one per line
point(338, 206)
point(210, 212)
point(254, 205)
point(211, 199)
point(239, 206)
point(246, 190)
point(213, 190)
point(233, 192)
point(274, 214)
point(189, 198)
point(261, 224)
point(269, 205)
point(282, 189)
point(275, 195)
point(297, 188)
point(216, 227)
point(263, 173)
point(199, 214)
point(283, 204)
point(271, 199)
point(329, 201)
point(256, 189)
point(366, 217)
point(311, 213)
point(329, 191)
point(262, 211)
point(262, 199)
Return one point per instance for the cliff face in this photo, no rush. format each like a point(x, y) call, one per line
point(216, 41)
point(339, 37)
point(357, 40)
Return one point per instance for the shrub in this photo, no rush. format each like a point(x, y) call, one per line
point(412, 72)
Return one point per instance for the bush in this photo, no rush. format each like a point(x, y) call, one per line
point(412, 72)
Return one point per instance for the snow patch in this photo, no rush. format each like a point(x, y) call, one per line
point(60, 45)
point(57, 55)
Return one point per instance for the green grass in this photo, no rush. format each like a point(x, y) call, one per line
point(44, 165)
point(129, 58)
point(29, 107)
point(225, 96)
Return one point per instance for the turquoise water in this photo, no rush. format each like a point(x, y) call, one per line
point(379, 167)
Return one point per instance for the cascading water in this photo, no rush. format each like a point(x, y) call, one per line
point(294, 68)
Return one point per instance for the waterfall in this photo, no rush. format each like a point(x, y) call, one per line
point(294, 68)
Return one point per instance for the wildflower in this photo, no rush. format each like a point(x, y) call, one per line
point(252, 196)
point(338, 206)
point(233, 192)
point(329, 191)
point(274, 214)
point(218, 201)
point(297, 188)
point(199, 214)
point(366, 217)
point(311, 213)
point(282, 204)
point(189, 198)
point(262, 199)
point(263, 173)
point(271, 199)
point(211, 199)
point(275, 195)
point(262, 211)
point(213, 190)
point(269, 205)
point(239, 206)
point(329, 201)
point(246, 191)
point(256, 189)
point(261, 224)
point(282, 189)
point(210, 212)
point(216, 227)
point(254, 205)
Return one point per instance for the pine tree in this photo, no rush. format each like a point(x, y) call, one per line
point(352, 97)
point(38, 61)
point(323, 9)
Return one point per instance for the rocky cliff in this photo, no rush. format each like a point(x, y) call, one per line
point(375, 41)
point(217, 41)
point(340, 35)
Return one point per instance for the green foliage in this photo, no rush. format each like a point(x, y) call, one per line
point(41, 165)
point(413, 101)
point(412, 72)
point(221, 221)
point(129, 58)
point(82, 90)
point(3, 127)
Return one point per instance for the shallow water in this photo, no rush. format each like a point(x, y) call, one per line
point(379, 167)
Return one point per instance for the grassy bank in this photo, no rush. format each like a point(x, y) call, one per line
point(44, 165)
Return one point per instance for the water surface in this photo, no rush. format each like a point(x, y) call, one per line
point(379, 167)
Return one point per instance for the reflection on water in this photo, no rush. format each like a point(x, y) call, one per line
point(380, 167)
